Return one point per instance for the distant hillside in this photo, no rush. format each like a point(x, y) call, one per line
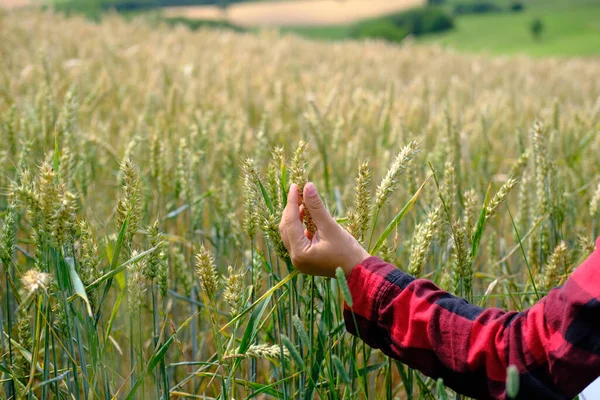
point(142, 4)
point(92, 6)
point(95, 8)
point(296, 13)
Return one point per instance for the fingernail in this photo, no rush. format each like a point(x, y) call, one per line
point(311, 189)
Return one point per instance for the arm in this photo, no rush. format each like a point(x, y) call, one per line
point(555, 344)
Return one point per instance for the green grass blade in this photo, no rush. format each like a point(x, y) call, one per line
point(52, 380)
point(122, 267)
point(158, 355)
point(249, 333)
point(78, 284)
point(480, 225)
point(406, 380)
point(113, 315)
point(398, 218)
point(260, 299)
point(113, 264)
point(267, 389)
point(315, 369)
point(537, 295)
point(265, 196)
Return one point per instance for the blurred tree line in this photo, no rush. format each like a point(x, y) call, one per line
point(93, 8)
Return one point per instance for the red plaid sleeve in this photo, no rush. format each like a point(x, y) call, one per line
point(555, 344)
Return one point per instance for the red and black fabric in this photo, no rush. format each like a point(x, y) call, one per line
point(555, 344)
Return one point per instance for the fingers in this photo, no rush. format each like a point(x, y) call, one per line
point(291, 228)
point(317, 209)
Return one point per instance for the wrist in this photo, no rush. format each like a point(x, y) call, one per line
point(358, 256)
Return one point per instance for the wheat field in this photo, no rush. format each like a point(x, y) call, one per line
point(143, 171)
point(294, 13)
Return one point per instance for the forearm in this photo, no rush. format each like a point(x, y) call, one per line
point(444, 336)
point(413, 321)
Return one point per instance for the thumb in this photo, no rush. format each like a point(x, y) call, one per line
point(292, 231)
point(316, 208)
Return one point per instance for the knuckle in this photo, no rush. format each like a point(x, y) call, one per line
point(317, 204)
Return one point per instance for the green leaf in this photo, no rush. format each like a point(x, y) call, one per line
point(406, 379)
point(4, 370)
point(260, 299)
point(268, 389)
point(398, 218)
point(265, 195)
point(250, 333)
point(157, 357)
point(258, 388)
point(77, 284)
point(537, 295)
point(315, 369)
point(372, 368)
point(184, 207)
point(26, 353)
point(343, 284)
point(121, 267)
point(480, 225)
point(52, 380)
point(113, 264)
point(113, 315)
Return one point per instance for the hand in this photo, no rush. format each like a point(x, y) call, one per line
point(330, 247)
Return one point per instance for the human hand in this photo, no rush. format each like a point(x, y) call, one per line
point(330, 247)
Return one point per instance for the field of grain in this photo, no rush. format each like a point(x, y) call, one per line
point(144, 169)
point(294, 13)
point(11, 4)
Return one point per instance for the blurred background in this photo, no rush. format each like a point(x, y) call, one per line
point(97, 100)
point(533, 27)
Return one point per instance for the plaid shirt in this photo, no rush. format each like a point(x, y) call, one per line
point(555, 344)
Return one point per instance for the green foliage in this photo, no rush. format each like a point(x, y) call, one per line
point(195, 24)
point(536, 28)
point(380, 29)
point(477, 7)
point(94, 9)
point(517, 6)
point(395, 27)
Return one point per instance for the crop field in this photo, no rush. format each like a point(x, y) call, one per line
point(295, 13)
point(9, 4)
point(143, 171)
